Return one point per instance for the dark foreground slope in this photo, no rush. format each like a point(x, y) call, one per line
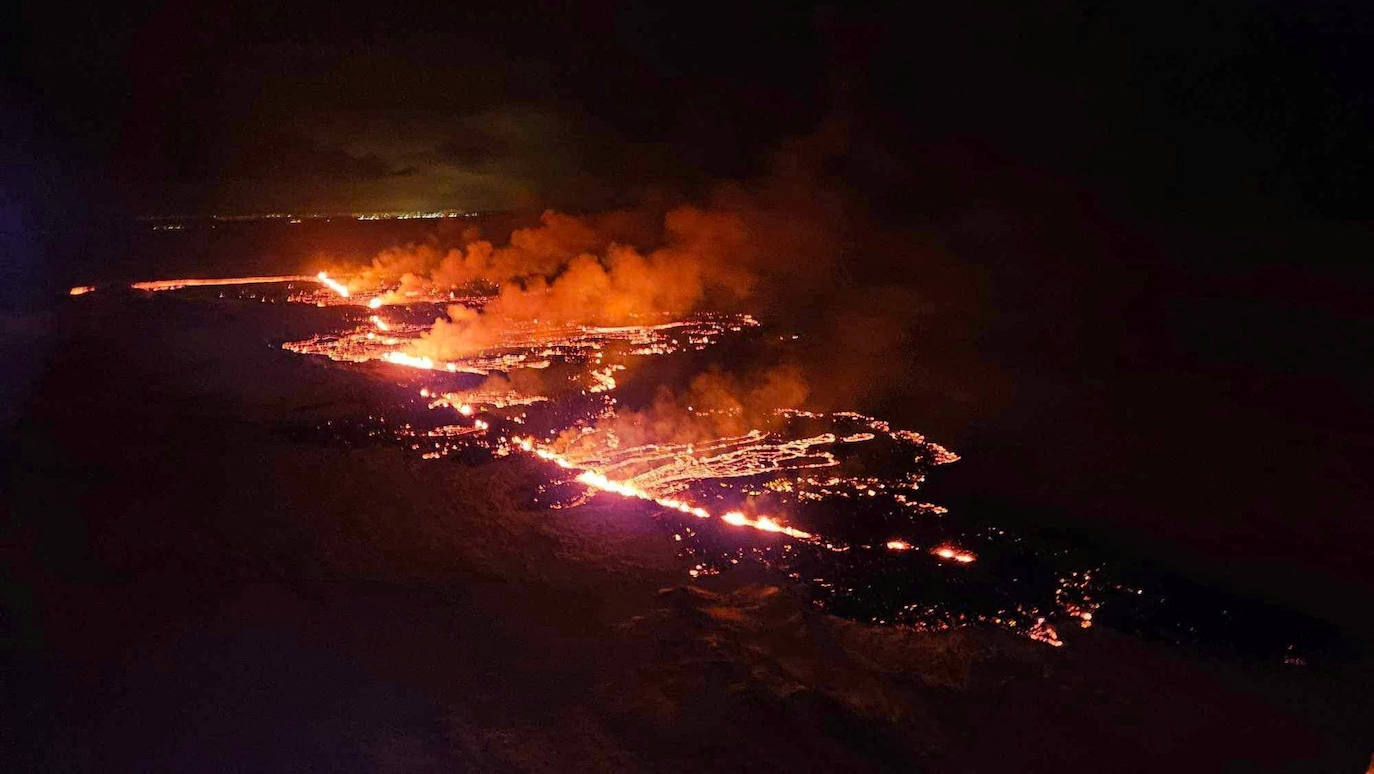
point(190, 587)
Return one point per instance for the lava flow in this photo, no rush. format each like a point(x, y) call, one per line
point(830, 500)
point(178, 284)
point(821, 483)
point(599, 481)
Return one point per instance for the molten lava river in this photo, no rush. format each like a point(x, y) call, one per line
point(830, 500)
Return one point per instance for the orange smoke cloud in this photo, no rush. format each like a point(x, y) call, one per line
point(542, 250)
point(544, 281)
point(714, 404)
point(777, 240)
point(775, 248)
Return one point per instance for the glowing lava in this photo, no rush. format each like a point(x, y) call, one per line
point(177, 284)
point(600, 482)
point(332, 284)
point(191, 282)
point(950, 552)
point(411, 361)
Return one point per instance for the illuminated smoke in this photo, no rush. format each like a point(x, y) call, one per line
point(715, 404)
point(545, 281)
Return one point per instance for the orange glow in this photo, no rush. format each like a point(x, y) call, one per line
point(763, 524)
point(401, 358)
point(1045, 633)
point(600, 482)
point(899, 545)
point(375, 303)
point(334, 285)
point(604, 381)
point(81, 290)
point(951, 552)
point(175, 284)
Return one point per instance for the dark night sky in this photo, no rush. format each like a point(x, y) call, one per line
point(1235, 110)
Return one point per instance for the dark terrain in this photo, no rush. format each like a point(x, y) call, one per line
point(188, 588)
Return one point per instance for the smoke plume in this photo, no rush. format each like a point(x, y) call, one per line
point(715, 404)
point(777, 247)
